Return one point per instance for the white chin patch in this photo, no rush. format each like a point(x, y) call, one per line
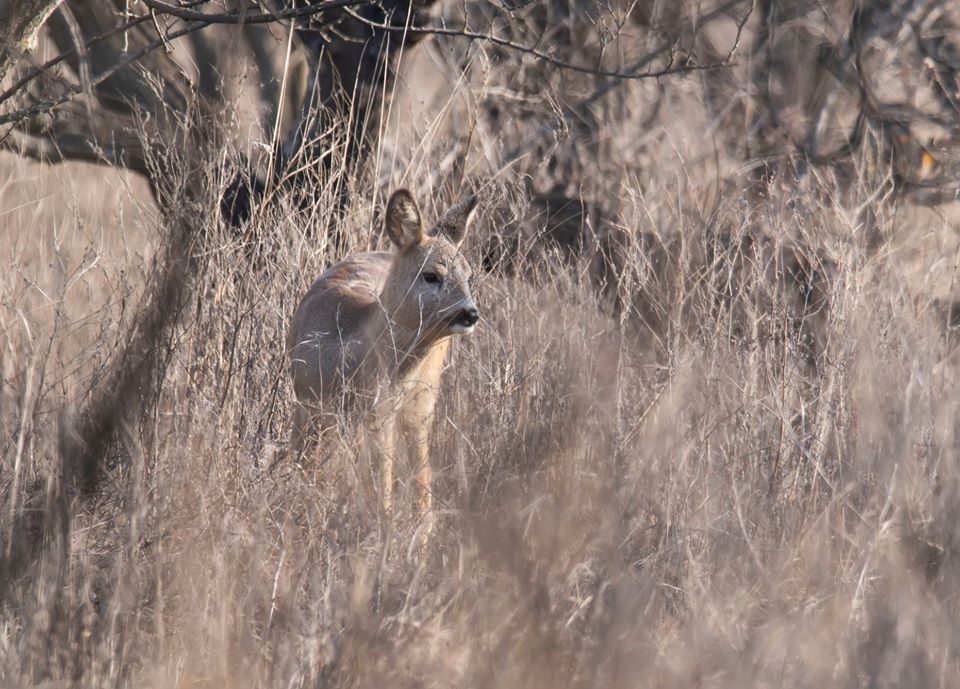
point(461, 329)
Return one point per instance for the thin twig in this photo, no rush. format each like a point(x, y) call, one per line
point(242, 18)
point(537, 53)
point(53, 62)
point(156, 25)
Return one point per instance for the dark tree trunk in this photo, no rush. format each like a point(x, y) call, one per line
point(353, 65)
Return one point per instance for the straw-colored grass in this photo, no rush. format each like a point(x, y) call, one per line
point(694, 475)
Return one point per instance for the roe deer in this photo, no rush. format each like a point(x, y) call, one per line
point(373, 332)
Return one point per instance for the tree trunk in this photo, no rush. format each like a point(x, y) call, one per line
point(21, 23)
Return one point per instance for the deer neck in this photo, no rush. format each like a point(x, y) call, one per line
point(398, 348)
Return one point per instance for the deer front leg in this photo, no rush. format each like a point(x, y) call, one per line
point(414, 424)
point(386, 444)
point(416, 419)
point(414, 434)
point(421, 454)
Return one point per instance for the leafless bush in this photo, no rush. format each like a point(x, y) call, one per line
point(706, 434)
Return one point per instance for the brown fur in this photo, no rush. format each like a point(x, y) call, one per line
point(372, 334)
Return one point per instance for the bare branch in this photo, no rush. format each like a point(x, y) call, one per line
point(45, 67)
point(464, 33)
point(103, 140)
point(41, 107)
point(611, 83)
point(243, 18)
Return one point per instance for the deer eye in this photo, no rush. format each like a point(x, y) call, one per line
point(432, 278)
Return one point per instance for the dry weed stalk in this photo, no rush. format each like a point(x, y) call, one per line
point(707, 435)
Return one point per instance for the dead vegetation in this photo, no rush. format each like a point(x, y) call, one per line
point(705, 435)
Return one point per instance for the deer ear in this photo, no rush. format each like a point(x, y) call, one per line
point(456, 222)
point(402, 220)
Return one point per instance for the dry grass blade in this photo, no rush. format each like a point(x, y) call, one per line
point(704, 434)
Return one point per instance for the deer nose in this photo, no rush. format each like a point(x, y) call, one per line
point(469, 317)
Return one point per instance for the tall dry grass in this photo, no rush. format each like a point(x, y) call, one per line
point(692, 474)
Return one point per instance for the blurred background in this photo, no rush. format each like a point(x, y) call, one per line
point(706, 434)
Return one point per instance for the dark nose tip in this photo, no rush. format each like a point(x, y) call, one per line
point(469, 317)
